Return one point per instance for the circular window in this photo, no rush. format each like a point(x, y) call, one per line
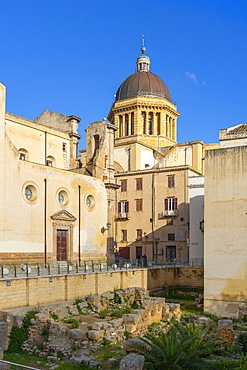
point(30, 193)
point(90, 201)
point(62, 197)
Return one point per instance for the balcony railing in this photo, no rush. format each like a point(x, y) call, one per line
point(168, 214)
point(122, 216)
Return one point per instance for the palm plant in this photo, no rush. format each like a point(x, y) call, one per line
point(185, 346)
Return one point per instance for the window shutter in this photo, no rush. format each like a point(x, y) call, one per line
point(166, 204)
point(119, 207)
point(175, 204)
point(127, 206)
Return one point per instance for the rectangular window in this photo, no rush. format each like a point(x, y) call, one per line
point(171, 237)
point(138, 205)
point(171, 204)
point(139, 184)
point(138, 234)
point(64, 147)
point(171, 181)
point(124, 235)
point(123, 207)
point(123, 185)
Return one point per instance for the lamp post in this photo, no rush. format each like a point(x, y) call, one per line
point(145, 242)
point(156, 241)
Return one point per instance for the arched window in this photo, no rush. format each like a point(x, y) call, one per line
point(150, 123)
point(50, 161)
point(144, 122)
point(120, 132)
point(23, 154)
point(132, 124)
point(158, 123)
point(126, 125)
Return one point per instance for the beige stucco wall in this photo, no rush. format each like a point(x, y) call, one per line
point(141, 219)
point(38, 140)
point(196, 237)
point(225, 231)
point(22, 222)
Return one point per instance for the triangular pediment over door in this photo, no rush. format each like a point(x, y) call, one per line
point(63, 216)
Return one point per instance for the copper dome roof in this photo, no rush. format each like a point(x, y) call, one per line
point(142, 83)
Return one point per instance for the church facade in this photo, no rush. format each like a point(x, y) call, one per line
point(48, 212)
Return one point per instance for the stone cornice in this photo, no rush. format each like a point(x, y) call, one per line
point(156, 170)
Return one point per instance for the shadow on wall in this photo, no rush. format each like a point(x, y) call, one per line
point(168, 242)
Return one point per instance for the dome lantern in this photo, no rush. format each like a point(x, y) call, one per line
point(143, 61)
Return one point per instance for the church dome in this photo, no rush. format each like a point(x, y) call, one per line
point(143, 82)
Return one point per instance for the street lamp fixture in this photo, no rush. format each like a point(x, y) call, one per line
point(103, 229)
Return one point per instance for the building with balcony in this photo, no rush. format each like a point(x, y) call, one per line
point(151, 169)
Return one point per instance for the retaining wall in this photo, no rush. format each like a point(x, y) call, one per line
point(33, 291)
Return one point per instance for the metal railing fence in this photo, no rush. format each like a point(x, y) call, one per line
point(31, 269)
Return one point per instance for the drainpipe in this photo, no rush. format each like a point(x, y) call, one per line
point(45, 148)
point(45, 212)
point(79, 221)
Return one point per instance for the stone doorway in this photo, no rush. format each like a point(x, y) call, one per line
point(62, 245)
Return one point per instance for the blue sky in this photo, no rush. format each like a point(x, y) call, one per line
point(70, 56)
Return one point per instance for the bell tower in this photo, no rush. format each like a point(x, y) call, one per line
point(100, 164)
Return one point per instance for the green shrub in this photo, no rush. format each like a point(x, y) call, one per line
point(117, 299)
point(71, 320)
point(135, 305)
point(26, 322)
point(243, 342)
point(54, 316)
point(103, 314)
point(119, 312)
point(19, 335)
point(90, 307)
point(16, 337)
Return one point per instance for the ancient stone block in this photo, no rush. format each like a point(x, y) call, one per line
point(130, 328)
point(131, 344)
point(95, 334)
point(225, 324)
point(131, 318)
point(75, 334)
point(132, 362)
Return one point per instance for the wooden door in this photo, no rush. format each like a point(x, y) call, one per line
point(138, 252)
point(125, 252)
point(62, 238)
